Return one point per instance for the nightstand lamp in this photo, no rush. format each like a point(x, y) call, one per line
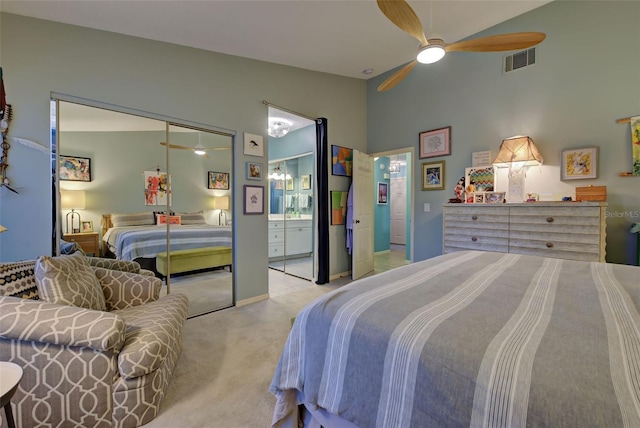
point(72, 200)
point(517, 153)
point(221, 203)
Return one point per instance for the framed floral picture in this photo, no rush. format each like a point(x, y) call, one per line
point(433, 175)
point(436, 142)
point(253, 199)
point(218, 180)
point(74, 168)
point(579, 163)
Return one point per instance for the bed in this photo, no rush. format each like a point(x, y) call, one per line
point(145, 241)
point(468, 339)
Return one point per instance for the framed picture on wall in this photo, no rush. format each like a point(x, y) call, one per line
point(74, 168)
point(579, 164)
point(253, 145)
point(218, 180)
point(289, 183)
point(383, 192)
point(341, 160)
point(254, 171)
point(338, 206)
point(305, 182)
point(253, 199)
point(436, 142)
point(433, 175)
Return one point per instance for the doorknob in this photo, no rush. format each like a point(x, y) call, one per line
point(356, 221)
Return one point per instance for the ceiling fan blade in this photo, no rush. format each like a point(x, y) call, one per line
point(400, 13)
point(175, 146)
point(498, 43)
point(397, 77)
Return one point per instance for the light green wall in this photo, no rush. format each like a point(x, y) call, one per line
point(40, 57)
point(586, 77)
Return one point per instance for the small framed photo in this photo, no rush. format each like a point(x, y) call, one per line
point(494, 197)
point(579, 163)
point(86, 226)
point(74, 168)
point(305, 182)
point(218, 180)
point(253, 145)
point(253, 199)
point(254, 171)
point(383, 193)
point(341, 161)
point(436, 142)
point(433, 175)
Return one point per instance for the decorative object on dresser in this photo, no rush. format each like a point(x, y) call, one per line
point(565, 230)
point(72, 200)
point(591, 193)
point(479, 179)
point(89, 241)
point(86, 226)
point(517, 153)
point(433, 175)
point(579, 163)
point(434, 143)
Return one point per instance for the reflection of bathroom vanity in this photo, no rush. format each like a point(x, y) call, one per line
point(291, 238)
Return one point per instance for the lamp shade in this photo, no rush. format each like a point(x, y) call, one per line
point(2, 228)
point(518, 149)
point(221, 203)
point(72, 199)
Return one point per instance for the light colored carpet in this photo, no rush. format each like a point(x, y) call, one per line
point(207, 291)
point(222, 378)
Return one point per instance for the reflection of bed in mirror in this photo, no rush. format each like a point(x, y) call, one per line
point(135, 236)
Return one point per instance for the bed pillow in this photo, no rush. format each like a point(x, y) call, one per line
point(157, 213)
point(133, 219)
point(192, 218)
point(69, 280)
point(173, 219)
point(18, 279)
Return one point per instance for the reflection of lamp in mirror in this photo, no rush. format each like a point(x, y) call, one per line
point(72, 200)
point(221, 203)
point(517, 153)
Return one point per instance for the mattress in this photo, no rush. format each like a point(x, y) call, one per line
point(470, 339)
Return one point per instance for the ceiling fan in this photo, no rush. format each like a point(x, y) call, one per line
point(432, 50)
point(198, 149)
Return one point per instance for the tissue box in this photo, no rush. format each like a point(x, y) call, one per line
point(591, 193)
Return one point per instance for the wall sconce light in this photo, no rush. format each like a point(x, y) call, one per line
point(221, 203)
point(517, 153)
point(72, 200)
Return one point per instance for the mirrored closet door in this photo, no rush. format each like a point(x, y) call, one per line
point(117, 176)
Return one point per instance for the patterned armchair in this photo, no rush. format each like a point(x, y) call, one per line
point(88, 367)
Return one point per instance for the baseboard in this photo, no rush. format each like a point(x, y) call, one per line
point(382, 252)
point(250, 300)
point(340, 275)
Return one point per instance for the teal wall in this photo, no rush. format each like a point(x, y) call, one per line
point(586, 77)
point(40, 57)
point(381, 212)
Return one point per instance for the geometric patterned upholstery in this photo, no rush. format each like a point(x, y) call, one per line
point(88, 368)
point(69, 280)
point(18, 279)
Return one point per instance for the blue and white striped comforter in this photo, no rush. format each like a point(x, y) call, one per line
point(470, 339)
point(129, 243)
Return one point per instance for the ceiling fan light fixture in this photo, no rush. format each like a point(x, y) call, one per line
point(199, 149)
point(431, 53)
point(278, 127)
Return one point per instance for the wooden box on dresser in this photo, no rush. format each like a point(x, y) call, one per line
point(565, 230)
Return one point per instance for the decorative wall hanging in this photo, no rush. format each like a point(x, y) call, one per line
point(480, 178)
point(433, 175)
point(579, 164)
point(338, 206)
point(635, 145)
point(436, 142)
point(5, 118)
point(383, 192)
point(155, 187)
point(218, 180)
point(253, 144)
point(341, 160)
point(254, 171)
point(253, 199)
point(305, 182)
point(74, 168)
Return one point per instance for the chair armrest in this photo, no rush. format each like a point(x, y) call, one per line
point(146, 272)
point(37, 321)
point(122, 265)
point(125, 289)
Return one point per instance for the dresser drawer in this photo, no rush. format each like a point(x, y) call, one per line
point(454, 243)
point(276, 250)
point(276, 236)
point(276, 225)
point(561, 216)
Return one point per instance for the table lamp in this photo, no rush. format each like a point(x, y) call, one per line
point(221, 203)
point(2, 228)
point(517, 153)
point(72, 200)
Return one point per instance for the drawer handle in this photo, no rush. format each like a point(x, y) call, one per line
point(549, 244)
point(549, 219)
point(474, 217)
point(474, 238)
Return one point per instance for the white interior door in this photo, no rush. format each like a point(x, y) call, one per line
point(363, 200)
point(398, 196)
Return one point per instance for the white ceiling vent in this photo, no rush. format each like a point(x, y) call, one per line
point(519, 60)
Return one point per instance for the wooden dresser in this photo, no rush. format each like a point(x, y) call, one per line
point(565, 230)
